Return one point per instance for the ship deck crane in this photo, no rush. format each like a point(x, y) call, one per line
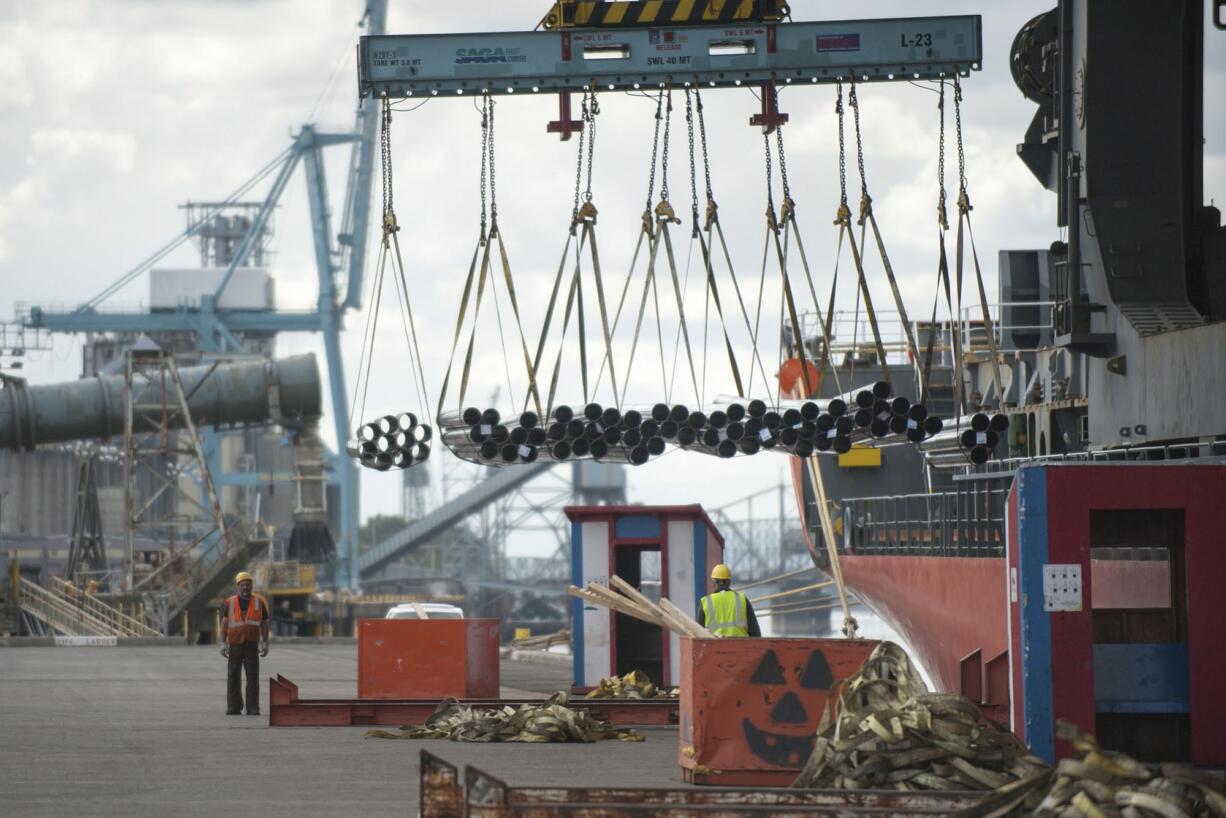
point(218, 329)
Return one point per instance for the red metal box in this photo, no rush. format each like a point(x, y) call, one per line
point(428, 658)
point(750, 707)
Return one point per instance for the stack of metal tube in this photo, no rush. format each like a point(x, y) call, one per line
point(801, 428)
point(732, 427)
point(969, 441)
point(601, 433)
point(391, 442)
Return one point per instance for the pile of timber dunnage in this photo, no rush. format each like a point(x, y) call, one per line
point(631, 602)
point(634, 685)
point(1105, 784)
point(391, 442)
point(549, 721)
point(889, 732)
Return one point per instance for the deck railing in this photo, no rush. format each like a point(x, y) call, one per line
point(966, 522)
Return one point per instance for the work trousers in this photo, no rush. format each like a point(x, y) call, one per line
point(244, 656)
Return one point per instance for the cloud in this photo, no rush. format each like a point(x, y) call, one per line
point(68, 150)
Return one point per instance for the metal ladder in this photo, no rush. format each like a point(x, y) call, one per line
point(77, 615)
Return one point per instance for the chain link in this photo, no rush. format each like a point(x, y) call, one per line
point(385, 151)
point(838, 109)
point(702, 138)
point(770, 195)
point(689, 122)
point(574, 215)
point(783, 159)
point(854, 101)
point(655, 149)
point(493, 185)
point(485, 154)
point(668, 119)
point(962, 196)
point(941, 211)
point(589, 116)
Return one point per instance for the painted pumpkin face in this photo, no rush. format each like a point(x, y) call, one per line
point(788, 739)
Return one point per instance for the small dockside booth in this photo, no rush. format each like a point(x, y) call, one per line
point(661, 550)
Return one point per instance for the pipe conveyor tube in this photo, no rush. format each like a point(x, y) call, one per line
point(223, 394)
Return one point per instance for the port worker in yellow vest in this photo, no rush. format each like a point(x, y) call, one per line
point(727, 612)
point(244, 623)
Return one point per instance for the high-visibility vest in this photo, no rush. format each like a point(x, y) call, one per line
point(242, 628)
point(727, 613)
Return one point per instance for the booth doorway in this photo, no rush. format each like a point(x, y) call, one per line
point(639, 645)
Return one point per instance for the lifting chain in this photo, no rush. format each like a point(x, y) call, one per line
point(664, 210)
point(655, 157)
point(787, 209)
point(493, 177)
point(591, 109)
point(385, 151)
point(964, 202)
point(771, 221)
point(574, 211)
point(706, 161)
point(485, 158)
point(843, 215)
point(942, 214)
point(689, 124)
point(866, 202)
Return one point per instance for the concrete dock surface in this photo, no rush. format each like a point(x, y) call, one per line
point(142, 731)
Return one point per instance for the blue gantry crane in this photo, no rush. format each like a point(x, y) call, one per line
point(217, 329)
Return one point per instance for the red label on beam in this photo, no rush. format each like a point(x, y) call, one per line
point(838, 42)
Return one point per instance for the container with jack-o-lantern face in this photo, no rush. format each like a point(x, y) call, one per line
point(750, 707)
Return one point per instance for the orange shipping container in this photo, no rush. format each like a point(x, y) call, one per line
point(750, 707)
point(428, 658)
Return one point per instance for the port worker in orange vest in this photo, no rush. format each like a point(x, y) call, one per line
point(727, 613)
point(244, 622)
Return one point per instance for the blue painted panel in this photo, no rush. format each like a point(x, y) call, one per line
point(638, 526)
point(1035, 622)
point(701, 569)
point(576, 604)
point(1141, 678)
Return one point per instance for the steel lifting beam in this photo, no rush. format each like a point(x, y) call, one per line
point(709, 56)
point(286, 709)
point(484, 796)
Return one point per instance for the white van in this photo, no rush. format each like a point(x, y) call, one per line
point(433, 610)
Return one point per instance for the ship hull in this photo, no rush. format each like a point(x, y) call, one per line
point(944, 608)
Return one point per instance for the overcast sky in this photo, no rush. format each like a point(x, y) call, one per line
point(116, 112)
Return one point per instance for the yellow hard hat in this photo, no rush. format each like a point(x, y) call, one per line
point(721, 572)
point(243, 576)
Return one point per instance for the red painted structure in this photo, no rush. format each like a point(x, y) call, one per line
point(750, 708)
point(428, 658)
point(1056, 652)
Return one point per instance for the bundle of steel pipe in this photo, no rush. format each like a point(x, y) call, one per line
point(870, 414)
point(734, 426)
point(391, 442)
point(970, 441)
point(606, 434)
